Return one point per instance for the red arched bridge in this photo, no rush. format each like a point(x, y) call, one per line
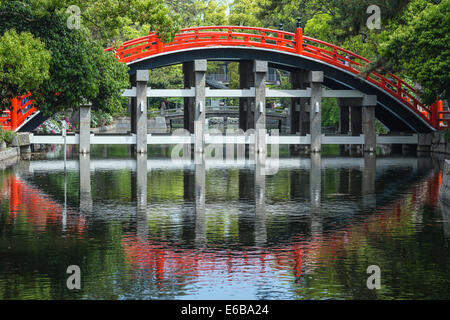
point(398, 105)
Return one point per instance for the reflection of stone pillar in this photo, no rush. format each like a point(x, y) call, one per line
point(85, 184)
point(200, 195)
point(344, 180)
point(260, 203)
point(141, 195)
point(315, 114)
point(368, 180)
point(315, 179)
point(246, 224)
point(315, 186)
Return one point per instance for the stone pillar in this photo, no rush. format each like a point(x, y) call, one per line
point(85, 184)
point(356, 120)
point(315, 115)
point(424, 145)
point(141, 195)
point(85, 129)
point(246, 81)
point(260, 69)
point(299, 106)
point(299, 113)
point(194, 107)
point(344, 124)
point(140, 111)
point(368, 123)
point(344, 119)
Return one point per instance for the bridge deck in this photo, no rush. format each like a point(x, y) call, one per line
point(164, 139)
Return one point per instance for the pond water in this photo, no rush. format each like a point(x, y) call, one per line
point(157, 229)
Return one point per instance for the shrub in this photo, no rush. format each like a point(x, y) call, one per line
point(8, 136)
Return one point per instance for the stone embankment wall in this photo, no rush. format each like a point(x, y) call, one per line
point(19, 147)
point(440, 144)
point(444, 192)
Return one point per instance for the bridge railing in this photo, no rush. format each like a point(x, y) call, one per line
point(288, 42)
point(21, 108)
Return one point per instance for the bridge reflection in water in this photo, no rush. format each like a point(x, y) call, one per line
point(233, 233)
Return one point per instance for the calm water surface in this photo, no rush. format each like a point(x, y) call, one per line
point(156, 229)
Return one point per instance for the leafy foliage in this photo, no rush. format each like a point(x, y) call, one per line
point(24, 64)
point(80, 70)
point(421, 49)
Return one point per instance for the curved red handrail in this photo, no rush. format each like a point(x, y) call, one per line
point(294, 43)
point(21, 108)
point(288, 42)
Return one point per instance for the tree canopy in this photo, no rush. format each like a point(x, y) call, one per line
point(413, 40)
point(24, 64)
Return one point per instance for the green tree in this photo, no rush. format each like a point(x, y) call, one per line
point(113, 21)
point(79, 69)
point(421, 49)
point(245, 13)
point(24, 65)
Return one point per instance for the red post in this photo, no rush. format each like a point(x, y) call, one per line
point(159, 45)
point(440, 115)
point(298, 38)
point(434, 115)
point(14, 108)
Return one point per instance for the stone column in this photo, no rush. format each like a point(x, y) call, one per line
point(368, 123)
point(424, 144)
point(299, 106)
point(356, 120)
point(194, 107)
point(344, 119)
point(299, 114)
point(85, 184)
point(140, 111)
point(260, 69)
point(246, 81)
point(344, 123)
point(85, 128)
point(315, 115)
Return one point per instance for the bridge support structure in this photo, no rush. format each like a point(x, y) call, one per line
point(85, 128)
point(357, 115)
point(299, 106)
point(194, 107)
point(252, 110)
point(315, 78)
point(139, 110)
